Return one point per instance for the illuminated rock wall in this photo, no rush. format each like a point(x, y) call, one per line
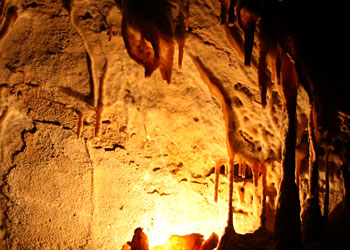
point(91, 149)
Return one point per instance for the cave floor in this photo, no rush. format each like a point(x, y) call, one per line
point(336, 236)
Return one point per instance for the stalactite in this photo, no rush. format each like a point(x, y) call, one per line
point(247, 12)
point(142, 43)
point(91, 98)
point(218, 91)
point(97, 74)
point(166, 58)
point(259, 170)
point(181, 28)
point(263, 72)
point(147, 30)
point(217, 176)
point(228, 11)
point(267, 56)
point(91, 62)
point(231, 12)
point(180, 39)
point(244, 169)
point(277, 50)
point(225, 4)
point(248, 170)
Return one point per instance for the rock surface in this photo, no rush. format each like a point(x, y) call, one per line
point(91, 149)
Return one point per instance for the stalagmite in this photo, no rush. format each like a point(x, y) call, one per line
point(287, 220)
point(166, 57)
point(139, 240)
point(311, 216)
point(211, 242)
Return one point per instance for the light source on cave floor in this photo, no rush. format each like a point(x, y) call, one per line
point(182, 215)
point(160, 235)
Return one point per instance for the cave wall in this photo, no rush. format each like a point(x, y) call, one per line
point(91, 149)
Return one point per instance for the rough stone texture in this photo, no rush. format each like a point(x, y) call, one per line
point(152, 165)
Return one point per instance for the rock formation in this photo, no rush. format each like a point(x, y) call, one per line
point(96, 142)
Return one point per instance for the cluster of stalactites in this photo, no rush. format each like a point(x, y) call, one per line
point(277, 52)
point(277, 60)
point(150, 29)
point(274, 48)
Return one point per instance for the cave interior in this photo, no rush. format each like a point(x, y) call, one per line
point(174, 124)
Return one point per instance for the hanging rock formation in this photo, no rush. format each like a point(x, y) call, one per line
point(253, 128)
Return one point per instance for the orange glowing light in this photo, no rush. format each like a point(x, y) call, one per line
point(186, 220)
point(162, 236)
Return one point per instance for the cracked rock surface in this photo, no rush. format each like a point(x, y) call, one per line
point(91, 149)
